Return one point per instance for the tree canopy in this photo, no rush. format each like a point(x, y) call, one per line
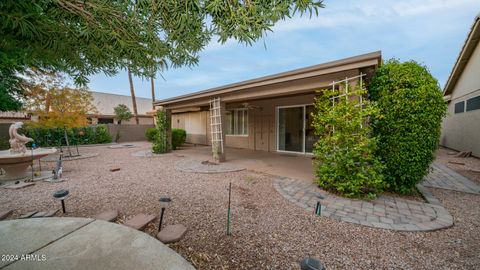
point(82, 38)
point(122, 112)
point(55, 104)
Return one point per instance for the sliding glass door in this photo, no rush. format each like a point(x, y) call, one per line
point(294, 129)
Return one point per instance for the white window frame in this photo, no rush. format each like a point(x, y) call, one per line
point(234, 118)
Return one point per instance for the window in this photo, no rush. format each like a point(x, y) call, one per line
point(105, 120)
point(237, 122)
point(460, 107)
point(473, 104)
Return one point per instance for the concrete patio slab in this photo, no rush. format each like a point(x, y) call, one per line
point(24, 236)
point(289, 165)
point(87, 245)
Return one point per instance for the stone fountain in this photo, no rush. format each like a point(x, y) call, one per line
point(15, 162)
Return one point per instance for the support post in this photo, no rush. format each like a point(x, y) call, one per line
point(219, 146)
point(168, 115)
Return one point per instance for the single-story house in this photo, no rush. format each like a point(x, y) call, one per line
point(461, 127)
point(105, 103)
point(270, 113)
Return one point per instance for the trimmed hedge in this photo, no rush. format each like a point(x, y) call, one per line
point(345, 160)
point(51, 137)
point(178, 137)
point(150, 134)
point(408, 127)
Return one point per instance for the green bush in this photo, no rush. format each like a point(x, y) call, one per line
point(150, 134)
point(4, 143)
point(178, 137)
point(51, 137)
point(160, 142)
point(408, 127)
point(344, 153)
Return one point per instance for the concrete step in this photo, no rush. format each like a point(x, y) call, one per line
point(29, 214)
point(139, 221)
point(109, 215)
point(172, 233)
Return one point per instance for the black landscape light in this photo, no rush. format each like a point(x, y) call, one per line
point(164, 202)
point(310, 263)
point(61, 195)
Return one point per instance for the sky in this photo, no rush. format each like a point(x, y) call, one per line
point(431, 32)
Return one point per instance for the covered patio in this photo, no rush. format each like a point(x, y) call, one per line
point(274, 163)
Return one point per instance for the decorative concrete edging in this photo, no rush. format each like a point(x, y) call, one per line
point(198, 166)
point(389, 213)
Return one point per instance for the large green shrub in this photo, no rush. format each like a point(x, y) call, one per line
point(160, 143)
point(178, 137)
point(51, 137)
point(408, 127)
point(4, 143)
point(150, 134)
point(344, 153)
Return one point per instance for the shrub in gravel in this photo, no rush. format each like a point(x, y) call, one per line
point(51, 137)
point(150, 134)
point(160, 142)
point(408, 127)
point(344, 153)
point(178, 137)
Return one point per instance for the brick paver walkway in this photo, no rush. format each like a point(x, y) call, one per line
point(384, 212)
point(446, 178)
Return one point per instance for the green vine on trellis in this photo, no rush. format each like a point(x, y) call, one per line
point(160, 142)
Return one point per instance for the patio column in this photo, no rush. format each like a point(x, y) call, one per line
point(168, 114)
point(218, 121)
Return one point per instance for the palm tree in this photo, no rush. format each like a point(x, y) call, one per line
point(153, 92)
point(132, 93)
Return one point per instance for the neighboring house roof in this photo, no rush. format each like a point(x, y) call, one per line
point(464, 56)
point(355, 62)
point(14, 115)
point(105, 103)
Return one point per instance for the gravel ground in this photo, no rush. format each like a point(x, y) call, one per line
point(268, 232)
point(470, 169)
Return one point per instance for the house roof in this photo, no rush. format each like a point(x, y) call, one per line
point(359, 61)
point(464, 56)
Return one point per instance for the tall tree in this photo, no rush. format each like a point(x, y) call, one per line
point(153, 92)
point(82, 38)
point(122, 112)
point(132, 93)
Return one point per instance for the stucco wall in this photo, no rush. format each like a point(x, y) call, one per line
point(461, 131)
point(194, 123)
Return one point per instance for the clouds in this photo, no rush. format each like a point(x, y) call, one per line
point(429, 31)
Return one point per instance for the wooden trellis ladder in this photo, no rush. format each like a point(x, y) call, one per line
point(345, 82)
point(216, 125)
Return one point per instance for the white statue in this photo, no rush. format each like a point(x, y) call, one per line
point(17, 141)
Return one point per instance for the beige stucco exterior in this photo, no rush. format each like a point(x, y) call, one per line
point(461, 131)
point(262, 97)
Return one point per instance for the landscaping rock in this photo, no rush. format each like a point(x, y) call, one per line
point(456, 162)
point(139, 221)
point(114, 169)
point(29, 214)
point(4, 214)
point(110, 215)
point(172, 233)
